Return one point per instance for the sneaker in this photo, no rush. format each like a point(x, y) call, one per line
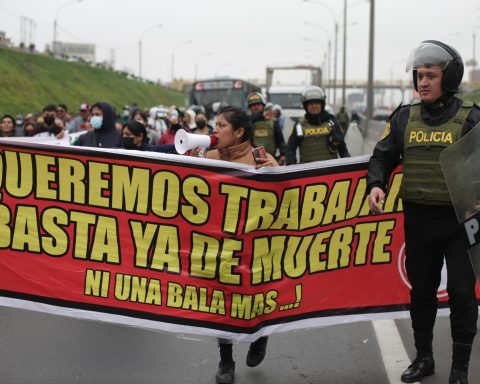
point(225, 373)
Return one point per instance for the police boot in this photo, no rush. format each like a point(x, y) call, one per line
point(460, 359)
point(257, 351)
point(226, 367)
point(423, 365)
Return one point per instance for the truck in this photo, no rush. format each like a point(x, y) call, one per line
point(284, 86)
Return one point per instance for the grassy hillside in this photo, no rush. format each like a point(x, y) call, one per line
point(28, 82)
point(472, 96)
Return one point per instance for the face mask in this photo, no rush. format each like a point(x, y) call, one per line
point(96, 122)
point(49, 120)
point(201, 123)
point(19, 123)
point(128, 143)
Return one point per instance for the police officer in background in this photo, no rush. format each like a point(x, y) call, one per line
point(417, 134)
point(343, 119)
point(318, 134)
point(266, 131)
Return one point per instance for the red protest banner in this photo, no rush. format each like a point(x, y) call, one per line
point(197, 246)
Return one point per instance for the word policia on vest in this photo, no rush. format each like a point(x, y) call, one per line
point(430, 137)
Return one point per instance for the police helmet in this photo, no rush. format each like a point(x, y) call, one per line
point(433, 52)
point(255, 98)
point(312, 93)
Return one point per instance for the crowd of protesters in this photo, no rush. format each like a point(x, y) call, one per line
point(100, 125)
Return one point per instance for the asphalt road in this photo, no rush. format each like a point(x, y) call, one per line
point(38, 348)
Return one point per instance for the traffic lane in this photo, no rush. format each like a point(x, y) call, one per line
point(47, 349)
point(41, 348)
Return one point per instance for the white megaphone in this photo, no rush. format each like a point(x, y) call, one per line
point(185, 141)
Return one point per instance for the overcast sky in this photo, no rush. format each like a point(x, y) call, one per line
point(241, 37)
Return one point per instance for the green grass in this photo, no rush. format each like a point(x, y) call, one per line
point(472, 96)
point(28, 82)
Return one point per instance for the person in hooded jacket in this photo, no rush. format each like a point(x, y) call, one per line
point(318, 135)
point(104, 133)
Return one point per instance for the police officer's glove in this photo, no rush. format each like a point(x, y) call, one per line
point(332, 145)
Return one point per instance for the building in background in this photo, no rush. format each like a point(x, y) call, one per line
point(474, 76)
point(84, 52)
point(4, 42)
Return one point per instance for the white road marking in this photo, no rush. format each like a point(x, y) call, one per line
point(394, 355)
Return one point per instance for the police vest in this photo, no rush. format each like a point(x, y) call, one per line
point(314, 145)
point(423, 179)
point(264, 134)
point(342, 117)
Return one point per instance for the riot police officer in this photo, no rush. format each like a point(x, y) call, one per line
point(266, 131)
point(318, 134)
point(417, 133)
point(343, 119)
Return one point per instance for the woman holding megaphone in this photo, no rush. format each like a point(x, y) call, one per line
point(233, 132)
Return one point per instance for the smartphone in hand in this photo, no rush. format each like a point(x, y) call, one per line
point(258, 153)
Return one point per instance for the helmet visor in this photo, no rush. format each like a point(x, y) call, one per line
point(428, 55)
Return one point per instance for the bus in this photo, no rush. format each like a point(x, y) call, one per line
point(224, 90)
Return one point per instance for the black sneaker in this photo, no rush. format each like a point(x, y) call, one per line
point(257, 351)
point(225, 373)
point(420, 368)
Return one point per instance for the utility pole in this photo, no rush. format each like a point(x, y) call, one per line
point(371, 47)
point(344, 51)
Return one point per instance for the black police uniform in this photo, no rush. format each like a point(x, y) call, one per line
point(432, 232)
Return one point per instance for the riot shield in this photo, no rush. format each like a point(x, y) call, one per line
point(461, 166)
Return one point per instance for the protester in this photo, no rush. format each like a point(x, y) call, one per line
point(79, 123)
point(277, 114)
point(62, 113)
point(318, 134)
point(174, 121)
point(189, 118)
point(19, 125)
point(104, 133)
point(201, 126)
point(416, 135)
point(134, 136)
point(125, 115)
point(47, 126)
point(152, 135)
point(233, 130)
point(266, 131)
point(29, 128)
point(7, 126)
point(59, 123)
